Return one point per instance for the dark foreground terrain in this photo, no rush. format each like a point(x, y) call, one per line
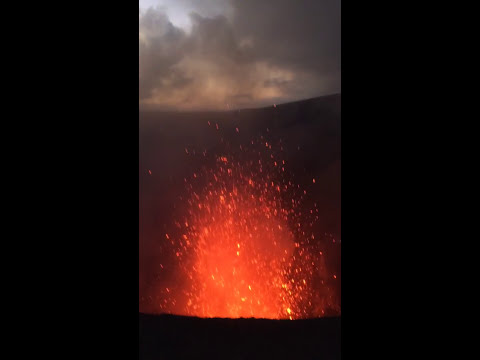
point(179, 337)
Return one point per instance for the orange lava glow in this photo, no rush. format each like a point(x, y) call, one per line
point(244, 245)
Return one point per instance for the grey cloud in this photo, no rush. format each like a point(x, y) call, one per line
point(298, 33)
point(213, 37)
point(161, 47)
point(268, 51)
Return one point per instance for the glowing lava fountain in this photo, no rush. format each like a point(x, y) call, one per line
point(245, 245)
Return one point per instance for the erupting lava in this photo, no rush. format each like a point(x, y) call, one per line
point(245, 245)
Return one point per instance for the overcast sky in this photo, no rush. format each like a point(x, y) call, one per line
point(228, 54)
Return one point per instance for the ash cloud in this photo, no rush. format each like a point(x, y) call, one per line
point(261, 52)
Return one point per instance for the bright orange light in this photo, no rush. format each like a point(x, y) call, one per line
point(244, 247)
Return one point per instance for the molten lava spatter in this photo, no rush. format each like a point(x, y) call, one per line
point(245, 246)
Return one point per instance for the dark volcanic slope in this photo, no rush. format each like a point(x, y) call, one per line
point(176, 337)
point(309, 130)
